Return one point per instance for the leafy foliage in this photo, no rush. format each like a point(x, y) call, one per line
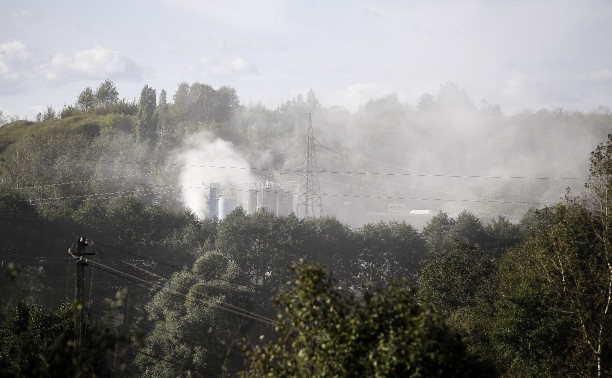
point(38, 342)
point(450, 280)
point(534, 307)
point(195, 329)
point(106, 94)
point(390, 251)
point(325, 333)
point(553, 306)
point(147, 123)
point(86, 100)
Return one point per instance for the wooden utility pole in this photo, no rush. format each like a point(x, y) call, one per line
point(78, 250)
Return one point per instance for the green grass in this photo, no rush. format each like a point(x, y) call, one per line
point(84, 124)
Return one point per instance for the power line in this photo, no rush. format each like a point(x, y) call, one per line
point(478, 210)
point(151, 191)
point(140, 281)
point(300, 171)
point(455, 181)
point(202, 294)
point(139, 256)
point(149, 258)
point(95, 179)
point(420, 188)
point(428, 199)
point(120, 193)
point(112, 270)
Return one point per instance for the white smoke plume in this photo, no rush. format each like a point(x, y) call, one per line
point(207, 160)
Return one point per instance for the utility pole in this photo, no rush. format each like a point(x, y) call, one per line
point(310, 192)
point(78, 250)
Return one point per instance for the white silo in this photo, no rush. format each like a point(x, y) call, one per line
point(212, 200)
point(226, 206)
point(269, 195)
point(251, 201)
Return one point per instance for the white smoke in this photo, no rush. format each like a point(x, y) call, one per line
point(207, 160)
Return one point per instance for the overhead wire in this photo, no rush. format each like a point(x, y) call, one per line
point(156, 260)
point(419, 187)
point(149, 285)
point(299, 170)
point(246, 314)
point(202, 294)
point(475, 200)
point(454, 178)
point(164, 189)
point(95, 179)
point(457, 181)
point(120, 194)
point(98, 243)
point(116, 194)
point(435, 190)
point(417, 198)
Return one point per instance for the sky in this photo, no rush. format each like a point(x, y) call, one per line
point(518, 54)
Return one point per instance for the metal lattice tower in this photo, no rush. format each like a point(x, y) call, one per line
point(309, 198)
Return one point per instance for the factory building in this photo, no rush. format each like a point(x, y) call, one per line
point(263, 195)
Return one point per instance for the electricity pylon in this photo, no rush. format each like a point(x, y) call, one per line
point(309, 198)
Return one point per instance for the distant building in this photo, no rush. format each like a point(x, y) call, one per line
point(268, 195)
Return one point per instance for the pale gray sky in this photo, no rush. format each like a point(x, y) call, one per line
point(519, 54)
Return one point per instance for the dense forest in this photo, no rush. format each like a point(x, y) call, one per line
point(507, 277)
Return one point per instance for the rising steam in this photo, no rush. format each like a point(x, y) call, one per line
point(207, 160)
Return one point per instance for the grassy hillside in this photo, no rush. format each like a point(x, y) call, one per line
point(84, 124)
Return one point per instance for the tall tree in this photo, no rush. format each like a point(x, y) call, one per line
point(501, 235)
point(181, 103)
point(162, 115)
point(106, 94)
point(437, 233)
point(86, 100)
point(197, 322)
point(226, 104)
point(147, 122)
point(528, 336)
point(450, 280)
point(599, 336)
point(202, 102)
point(468, 229)
point(390, 251)
point(312, 102)
point(385, 334)
point(568, 261)
point(163, 101)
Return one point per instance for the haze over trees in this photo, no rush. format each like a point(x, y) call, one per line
point(505, 277)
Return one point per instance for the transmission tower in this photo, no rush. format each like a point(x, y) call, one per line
point(309, 197)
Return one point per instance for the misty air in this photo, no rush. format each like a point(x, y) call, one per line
point(390, 189)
